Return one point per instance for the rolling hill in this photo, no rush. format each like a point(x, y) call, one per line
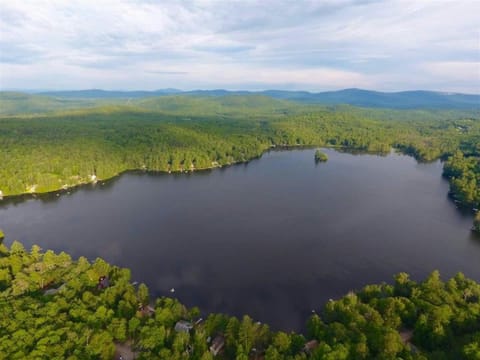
point(418, 99)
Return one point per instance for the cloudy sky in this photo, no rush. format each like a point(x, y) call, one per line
point(310, 45)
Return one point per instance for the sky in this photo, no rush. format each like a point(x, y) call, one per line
point(252, 45)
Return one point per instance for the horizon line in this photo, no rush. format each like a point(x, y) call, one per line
point(180, 91)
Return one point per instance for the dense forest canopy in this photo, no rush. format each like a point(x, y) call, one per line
point(12, 103)
point(53, 307)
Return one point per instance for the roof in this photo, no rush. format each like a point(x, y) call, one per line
point(183, 326)
point(312, 344)
point(53, 291)
point(406, 336)
point(103, 282)
point(50, 292)
point(217, 344)
point(219, 340)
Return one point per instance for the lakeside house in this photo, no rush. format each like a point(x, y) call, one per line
point(218, 344)
point(146, 310)
point(103, 282)
point(310, 346)
point(53, 291)
point(183, 326)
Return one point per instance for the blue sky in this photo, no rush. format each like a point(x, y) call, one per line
point(294, 45)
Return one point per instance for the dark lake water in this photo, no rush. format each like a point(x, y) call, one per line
point(274, 238)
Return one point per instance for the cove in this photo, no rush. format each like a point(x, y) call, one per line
point(274, 238)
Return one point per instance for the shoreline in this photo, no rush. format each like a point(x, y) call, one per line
point(6, 199)
point(62, 189)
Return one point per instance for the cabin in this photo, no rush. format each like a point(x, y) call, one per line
point(218, 344)
point(53, 291)
point(103, 282)
point(50, 292)
point(183, 326)
point(406, 336)
point(310, 346)
point(146, 310)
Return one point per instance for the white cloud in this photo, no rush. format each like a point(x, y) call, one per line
point(313, 45)
point(453, 70)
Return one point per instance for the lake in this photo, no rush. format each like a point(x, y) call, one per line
point(274, 238)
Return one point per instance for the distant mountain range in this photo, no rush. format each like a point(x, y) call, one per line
point(108, 94)
point(366, 98)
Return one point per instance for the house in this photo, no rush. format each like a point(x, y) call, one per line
point(310, 346)
point(103, 282)
point(53, 291)
point(31, 188)
point(50, 292)
point(146, 310)
point(406, 336)
point(183, 326)
point(217, 344)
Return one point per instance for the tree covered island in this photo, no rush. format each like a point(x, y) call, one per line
point(320, 156)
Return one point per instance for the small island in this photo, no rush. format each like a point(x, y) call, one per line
point(320, 156)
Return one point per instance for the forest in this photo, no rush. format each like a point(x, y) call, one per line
point(54, 307)
point(464, 174)
point(53, 147)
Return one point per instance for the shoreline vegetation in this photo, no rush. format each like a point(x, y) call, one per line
point(56, 307)
point(93, 180)
point(476, 223)
point(53, 152)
